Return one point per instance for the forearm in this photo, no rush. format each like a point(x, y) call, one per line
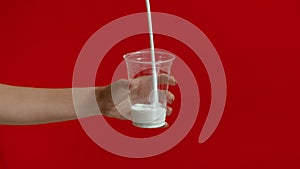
point(22, 105)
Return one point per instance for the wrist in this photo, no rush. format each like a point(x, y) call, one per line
point(100, 97)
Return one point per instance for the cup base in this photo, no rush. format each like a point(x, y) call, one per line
point(147, 125)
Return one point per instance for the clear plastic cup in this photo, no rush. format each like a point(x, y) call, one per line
point(148, 103)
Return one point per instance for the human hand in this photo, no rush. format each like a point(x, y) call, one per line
point(114, 101)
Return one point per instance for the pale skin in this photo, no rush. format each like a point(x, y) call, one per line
point(27, 106)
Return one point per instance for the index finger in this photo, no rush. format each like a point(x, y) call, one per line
point(164, 78)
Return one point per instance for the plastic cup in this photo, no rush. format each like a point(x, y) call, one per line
point(148, 102)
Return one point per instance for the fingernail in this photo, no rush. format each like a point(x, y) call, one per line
point(172, 80)
point(170, 111)
point(166, 125)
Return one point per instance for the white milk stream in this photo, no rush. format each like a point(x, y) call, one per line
point(154, 75)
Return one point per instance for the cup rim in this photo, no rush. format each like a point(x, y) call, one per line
point(127, 55)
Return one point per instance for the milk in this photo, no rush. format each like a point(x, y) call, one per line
point(148, 115)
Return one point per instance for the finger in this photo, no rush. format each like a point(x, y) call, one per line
point(120, 117)
point(166, 125)
point(162, 79)
point(116, 116)
point(172, 81)
point(169, 111)
point(165, 78)
point(170, 97)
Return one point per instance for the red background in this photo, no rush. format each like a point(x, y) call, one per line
point(258, 43)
